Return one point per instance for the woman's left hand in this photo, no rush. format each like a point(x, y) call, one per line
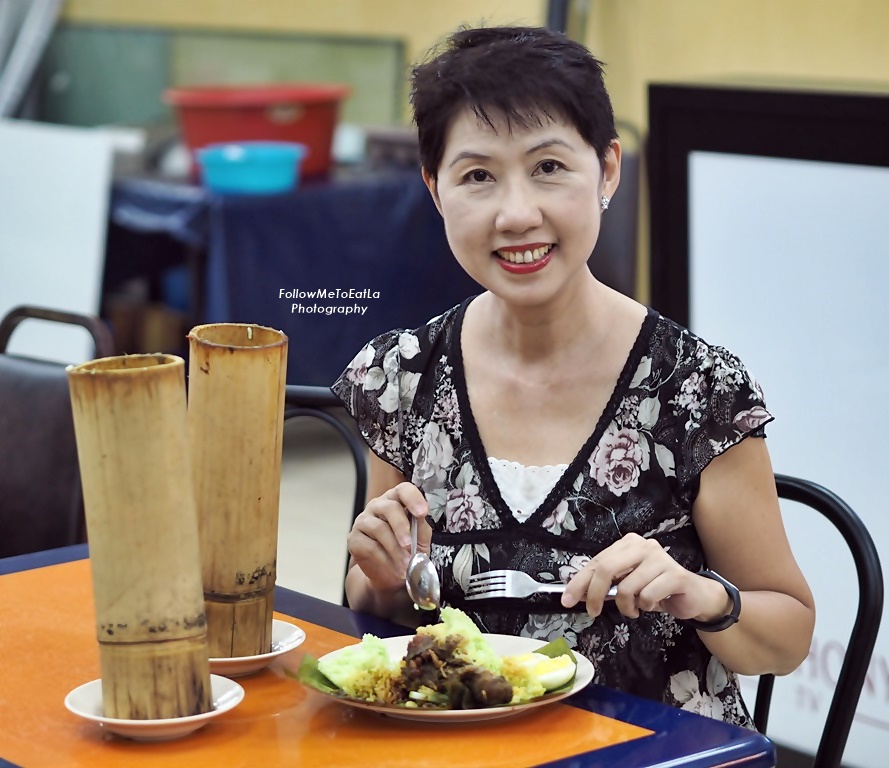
point(648, 579)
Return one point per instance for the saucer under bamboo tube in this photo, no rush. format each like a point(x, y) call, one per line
point(236, 378)
point(132, 445)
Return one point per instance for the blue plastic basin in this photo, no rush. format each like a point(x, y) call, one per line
point(251, 167)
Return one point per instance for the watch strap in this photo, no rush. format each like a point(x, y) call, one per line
point(717, 625)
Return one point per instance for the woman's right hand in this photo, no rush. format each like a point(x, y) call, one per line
point(380, 539)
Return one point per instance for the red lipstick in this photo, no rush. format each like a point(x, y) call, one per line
point(529, 267)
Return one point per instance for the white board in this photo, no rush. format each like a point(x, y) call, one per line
point(789, 268)
point(54, 190)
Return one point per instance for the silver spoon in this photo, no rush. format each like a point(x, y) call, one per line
point(421, 578)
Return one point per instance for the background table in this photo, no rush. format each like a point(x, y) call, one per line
point(50, 649)
point(372, 241)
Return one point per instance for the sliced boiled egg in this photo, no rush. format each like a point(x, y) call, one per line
point(553, 673)
point(528, 661)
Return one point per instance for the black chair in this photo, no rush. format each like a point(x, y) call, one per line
point(41, 501)
point(864, 629)
point(321, 403)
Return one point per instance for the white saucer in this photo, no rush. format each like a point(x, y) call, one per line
point(285, 637)
point(86, 702)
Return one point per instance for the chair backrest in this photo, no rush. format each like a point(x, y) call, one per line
point(864, 629)
point(321, 403)
point(41, 502)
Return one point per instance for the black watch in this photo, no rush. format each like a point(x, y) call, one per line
point(717, 625)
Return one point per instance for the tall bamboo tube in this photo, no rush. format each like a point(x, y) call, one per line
point(132, 445)
point(236, 377)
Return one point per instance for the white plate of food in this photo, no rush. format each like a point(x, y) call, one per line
point(86, 701)
point(285, 637)
point(564, 680)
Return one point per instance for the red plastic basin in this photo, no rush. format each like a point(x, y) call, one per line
point(292, 112)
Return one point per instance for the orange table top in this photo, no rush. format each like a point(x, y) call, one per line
point(48, 647)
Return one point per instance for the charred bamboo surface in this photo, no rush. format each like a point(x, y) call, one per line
point(132, 445)
point(236, 417)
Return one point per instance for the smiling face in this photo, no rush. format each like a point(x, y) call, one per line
point(521, 206)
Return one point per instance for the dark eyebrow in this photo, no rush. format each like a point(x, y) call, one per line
point(469, 156)
point(536, 148)
point(549, 143)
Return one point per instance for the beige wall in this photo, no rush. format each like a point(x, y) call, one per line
point(645, 41)
point(420, 23)
point(640, 40)
point(840, 42)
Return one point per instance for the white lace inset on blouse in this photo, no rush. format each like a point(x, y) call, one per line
point(524, 488)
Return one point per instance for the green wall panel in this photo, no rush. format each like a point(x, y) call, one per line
point(102, 75)
point(374, 68)
point(114, 75)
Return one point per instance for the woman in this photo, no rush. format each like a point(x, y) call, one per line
point(555, 426)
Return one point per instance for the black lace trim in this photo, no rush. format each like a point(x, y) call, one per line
point(561, 488)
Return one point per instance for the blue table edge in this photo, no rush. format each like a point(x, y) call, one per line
point(716, 745)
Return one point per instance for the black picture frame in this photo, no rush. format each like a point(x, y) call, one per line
point(793, 123)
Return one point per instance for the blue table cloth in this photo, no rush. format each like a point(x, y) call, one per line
point(331, 264)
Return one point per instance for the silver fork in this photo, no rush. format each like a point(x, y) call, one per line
point(483, 586)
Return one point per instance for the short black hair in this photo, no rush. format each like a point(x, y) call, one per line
point(522, 74)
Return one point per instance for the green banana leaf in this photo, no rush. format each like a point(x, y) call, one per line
point(558, 647)
point(309, 675)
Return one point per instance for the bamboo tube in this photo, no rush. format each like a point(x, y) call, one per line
point(236, 380)
point(132, 445)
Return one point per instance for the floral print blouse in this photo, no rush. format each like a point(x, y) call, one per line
point(677, 404)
